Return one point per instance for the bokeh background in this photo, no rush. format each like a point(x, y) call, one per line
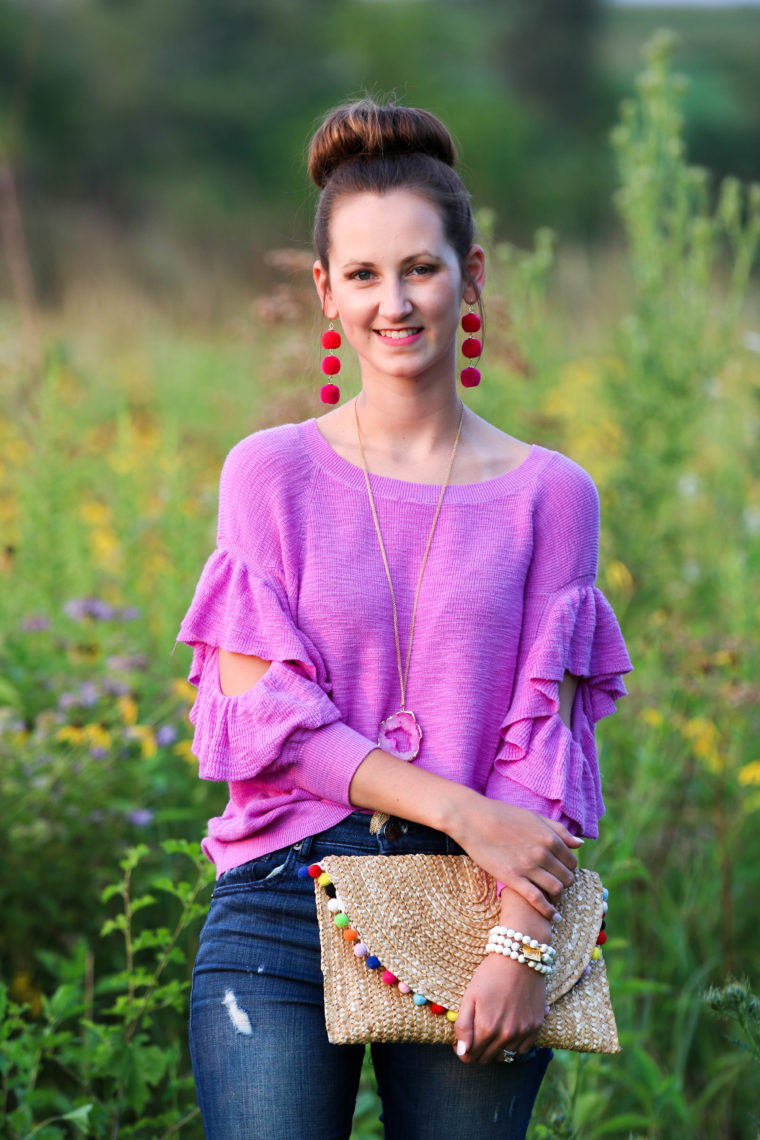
point(156, 305)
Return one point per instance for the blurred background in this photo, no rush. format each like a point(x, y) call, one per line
point(156, 304)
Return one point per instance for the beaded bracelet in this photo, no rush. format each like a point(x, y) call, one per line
point(538, 956)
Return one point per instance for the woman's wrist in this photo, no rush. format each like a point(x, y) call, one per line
point(518, 915)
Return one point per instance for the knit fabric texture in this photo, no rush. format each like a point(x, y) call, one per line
point(507, 605)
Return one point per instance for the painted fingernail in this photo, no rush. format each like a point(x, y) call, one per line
point(461, 1048)
point(556, 917)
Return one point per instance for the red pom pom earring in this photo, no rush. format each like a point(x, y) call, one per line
point(471, 349)
point(330, 393)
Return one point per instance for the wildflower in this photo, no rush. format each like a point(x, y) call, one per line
point(704, 735)
point(749, 775)
point(82, 608)
point(652, 717)
point(141, 817)
point(35, 623)
point(89, 694)
point(619, 577)
point(70, 734)
point(129, 613)
point(166, 735)
point(127, 709)
point(98, 737)
point(127, 662)
point(184, 749)
point(144, 734)
point(184, 690)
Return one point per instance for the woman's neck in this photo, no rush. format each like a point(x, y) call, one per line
point(411, 428)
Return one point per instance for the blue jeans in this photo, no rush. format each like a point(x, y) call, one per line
point(263, 1065)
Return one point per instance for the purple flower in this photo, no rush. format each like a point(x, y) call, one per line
point(35, 623)
point(129, 613)
point(125, 663)
point(166, 735)
point(98, 753)
point(116, 688)
point(81, 608)
point(67, 701)
point(141, 817)
point(89, 694)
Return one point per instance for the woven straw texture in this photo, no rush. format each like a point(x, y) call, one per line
point(427, 917)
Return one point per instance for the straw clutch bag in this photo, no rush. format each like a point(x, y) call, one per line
point(401, 936)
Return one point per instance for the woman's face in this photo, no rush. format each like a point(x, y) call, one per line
point(396, 284)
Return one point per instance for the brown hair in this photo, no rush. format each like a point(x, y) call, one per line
point(363, 146)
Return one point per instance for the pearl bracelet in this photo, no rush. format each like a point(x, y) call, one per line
point(521, 947)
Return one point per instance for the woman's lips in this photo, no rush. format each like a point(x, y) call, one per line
point(399, 336)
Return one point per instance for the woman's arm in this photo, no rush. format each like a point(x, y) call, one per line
point(504, 1004)
point(531, 855)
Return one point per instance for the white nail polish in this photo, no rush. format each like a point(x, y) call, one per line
point(461, 1048)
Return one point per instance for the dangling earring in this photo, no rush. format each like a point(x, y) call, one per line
point(471, 348)
point(330, 393)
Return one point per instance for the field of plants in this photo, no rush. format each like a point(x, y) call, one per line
point(645, 367)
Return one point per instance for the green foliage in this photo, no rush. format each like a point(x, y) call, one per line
point(95, 1052)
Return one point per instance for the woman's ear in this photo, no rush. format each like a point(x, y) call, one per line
point(474, 274)
point(322, 283)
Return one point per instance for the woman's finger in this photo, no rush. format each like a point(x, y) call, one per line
point(463, 1027)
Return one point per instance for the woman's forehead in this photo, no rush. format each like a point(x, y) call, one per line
point(382, 222)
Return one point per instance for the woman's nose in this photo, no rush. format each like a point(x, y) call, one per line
point(395, 303)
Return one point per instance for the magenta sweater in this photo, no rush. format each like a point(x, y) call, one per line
point(507, 604)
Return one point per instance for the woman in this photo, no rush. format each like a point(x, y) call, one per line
point(400, 519)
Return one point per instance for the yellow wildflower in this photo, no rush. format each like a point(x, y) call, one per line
point(70, 734)
point(705, 737)
point(619, 577)
point(106, 552)
point(652, 717)
point(24, 991)
point(146, 737)
point(96, 736)
point(95, 513)
point(749, 775)
point(183, 690)
point(127, 709)
point(183, 749)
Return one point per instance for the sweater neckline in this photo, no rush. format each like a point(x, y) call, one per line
point(387, 486)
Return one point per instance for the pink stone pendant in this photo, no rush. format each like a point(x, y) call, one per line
point(400, 734)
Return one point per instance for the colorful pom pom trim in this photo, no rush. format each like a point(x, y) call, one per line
point(372, 962)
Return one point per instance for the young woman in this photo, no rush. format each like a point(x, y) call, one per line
point(400, 617)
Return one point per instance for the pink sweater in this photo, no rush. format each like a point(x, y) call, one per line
point(507, 604)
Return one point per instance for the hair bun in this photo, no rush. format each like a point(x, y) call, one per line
point(366, 129)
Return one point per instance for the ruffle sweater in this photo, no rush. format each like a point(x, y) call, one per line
point(507, 605)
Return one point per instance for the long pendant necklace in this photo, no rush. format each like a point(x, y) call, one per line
point(400, 733)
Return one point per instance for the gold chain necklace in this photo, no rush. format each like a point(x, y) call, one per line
point(401, 733)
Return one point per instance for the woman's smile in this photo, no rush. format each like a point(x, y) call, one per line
point(400, 336)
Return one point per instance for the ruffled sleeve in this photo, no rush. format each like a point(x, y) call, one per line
point(543, 764)
point(285, 731)
point(285, 728)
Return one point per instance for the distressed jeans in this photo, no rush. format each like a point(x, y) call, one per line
point(264, 1068)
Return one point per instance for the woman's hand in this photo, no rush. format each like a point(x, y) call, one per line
point(527, 852)
point(502, 1008)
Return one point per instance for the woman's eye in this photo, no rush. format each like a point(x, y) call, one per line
point(361, 275)
point(422, 270)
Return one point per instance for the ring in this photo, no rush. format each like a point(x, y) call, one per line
point(508, 1055)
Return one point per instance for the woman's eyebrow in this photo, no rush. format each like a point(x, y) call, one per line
point(424, 253)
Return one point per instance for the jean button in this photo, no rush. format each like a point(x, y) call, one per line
point(392, 830)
